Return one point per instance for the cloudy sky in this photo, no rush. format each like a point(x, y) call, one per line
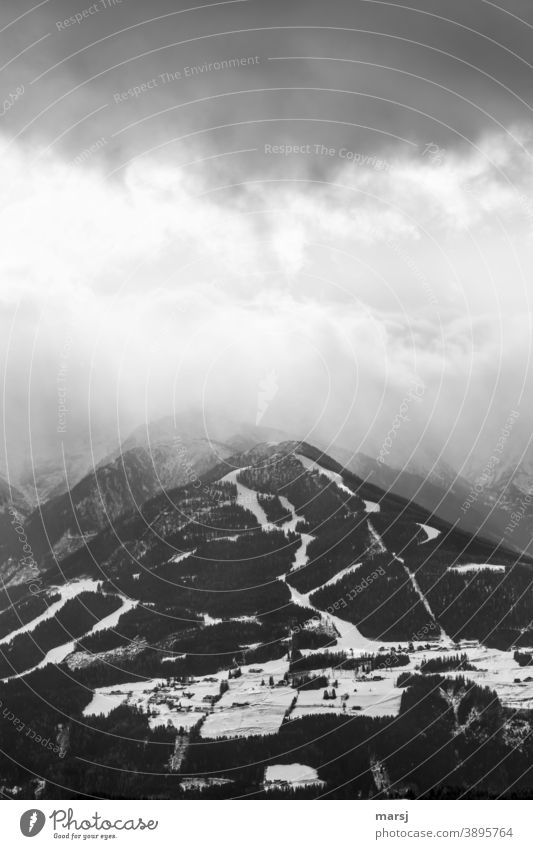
point(293, 211)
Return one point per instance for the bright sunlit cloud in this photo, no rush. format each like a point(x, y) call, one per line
point(350, 288)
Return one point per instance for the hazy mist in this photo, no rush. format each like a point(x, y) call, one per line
point(162, 252)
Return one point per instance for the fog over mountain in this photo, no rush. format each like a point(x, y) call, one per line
point(338, 227)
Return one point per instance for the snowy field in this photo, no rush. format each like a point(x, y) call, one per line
point(499, 671)
point(476, 567)
point(431, 533)
point(297, 775)
point(249, 707)
point(177, 705)
point(354, 693)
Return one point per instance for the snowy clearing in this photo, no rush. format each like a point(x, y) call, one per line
point(290, 524)
point(499, 671)
point(354, 693)
point(376, 545)
point(249, 707)
point(179, 705)
point(297, 775)
point(431, 533)
point(312, 466)
point(476, 567)
point(301, 557)
point(212, 620)
point(177, 558)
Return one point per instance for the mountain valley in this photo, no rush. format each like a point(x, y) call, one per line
point(195, 615)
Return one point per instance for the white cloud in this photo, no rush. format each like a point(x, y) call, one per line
point(344, 289)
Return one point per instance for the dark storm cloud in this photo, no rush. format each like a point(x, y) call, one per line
point(379, 77)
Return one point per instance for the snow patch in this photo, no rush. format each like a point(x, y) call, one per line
point(431, 533)
point(211, 620)
point(312, 466)
point(301, 557)
point(377, 545)
point(290, 524)
point(177, 558)
point(476, 567)
point(340, 575)
point(423, 599)
point(179, 705)
point(296, 775)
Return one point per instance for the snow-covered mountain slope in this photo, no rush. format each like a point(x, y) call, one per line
point(265, 597)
